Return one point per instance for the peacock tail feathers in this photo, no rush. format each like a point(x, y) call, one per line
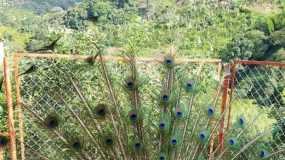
point(98, 109)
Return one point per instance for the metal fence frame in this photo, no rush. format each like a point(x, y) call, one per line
point(227, 91)
point(230, 77)
point(19, 56)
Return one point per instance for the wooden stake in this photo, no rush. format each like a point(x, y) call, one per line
point(9, 101)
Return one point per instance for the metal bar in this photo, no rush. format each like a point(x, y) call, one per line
point(19, 105)
point(114, 58)
point(9, 101)
point(227, 78)
point(252, 62)
point(232, 86)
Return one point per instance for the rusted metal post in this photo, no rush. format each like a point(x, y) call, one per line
point(226, 84)
point(232, 87)
point(1, 58)
point(9, 101)
point(19, 106)
point(251, 62)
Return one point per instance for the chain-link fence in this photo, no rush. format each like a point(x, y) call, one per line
point(10, 3)
point(65, 101)
point(257, 98)
point(103, 107)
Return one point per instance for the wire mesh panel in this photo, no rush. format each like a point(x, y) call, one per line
point(93, 109)
point(10, 3)
point(258, 102)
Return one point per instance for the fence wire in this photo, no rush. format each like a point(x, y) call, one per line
point(258, 98)
point(68, 89)
point(80, 110)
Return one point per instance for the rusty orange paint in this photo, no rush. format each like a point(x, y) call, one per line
point(9, 101)
point(227, 78)
point(252, 62)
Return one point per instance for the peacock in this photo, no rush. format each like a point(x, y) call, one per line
point(132, 110)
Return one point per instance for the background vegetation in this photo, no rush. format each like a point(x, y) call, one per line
point(228, 29)
point(247, 29)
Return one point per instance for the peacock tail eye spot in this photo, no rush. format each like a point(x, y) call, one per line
point(101, 112)
point(109, 141)
point(130, 84)
point(173, 141)
point(210, 111)
point(232, 142)
point(202, 136)
point(168, 61)
point(179, 114)
point(263, 153)
point(52, 122)
point(162, 157)
point(241, 121)
point(165, 98)
point(3, 141)
point(133, 117)
point(189, 85)
point(137, 145)
point(76, 145)
point(162, 125)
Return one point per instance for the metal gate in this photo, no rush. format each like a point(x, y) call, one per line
point(241, 113)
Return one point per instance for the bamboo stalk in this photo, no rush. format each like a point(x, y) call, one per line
point(19, 106)
point(9, 101)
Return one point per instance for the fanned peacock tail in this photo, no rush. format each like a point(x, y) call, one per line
point(129, 109)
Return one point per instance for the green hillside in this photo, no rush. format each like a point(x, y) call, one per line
point(220, 29)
